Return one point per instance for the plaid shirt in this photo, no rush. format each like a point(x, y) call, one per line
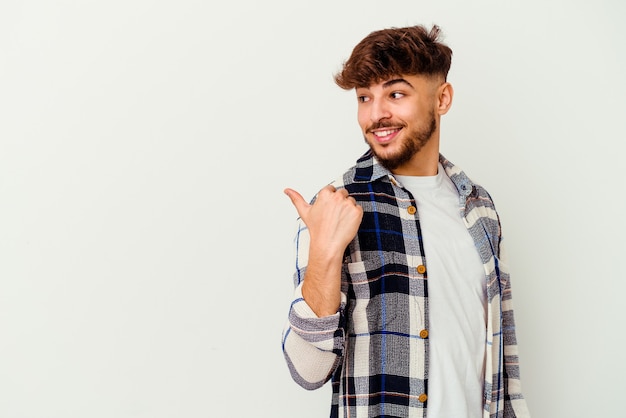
point(375, 349)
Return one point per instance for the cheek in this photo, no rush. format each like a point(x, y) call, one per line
point(362, 119)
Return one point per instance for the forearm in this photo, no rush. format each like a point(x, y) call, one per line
point(321, 288)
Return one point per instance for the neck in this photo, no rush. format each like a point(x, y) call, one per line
point(423, 163)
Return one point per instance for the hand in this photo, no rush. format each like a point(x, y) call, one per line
point(333, 219)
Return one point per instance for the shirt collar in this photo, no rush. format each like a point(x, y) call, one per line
point(463, 184)
point(368, 169)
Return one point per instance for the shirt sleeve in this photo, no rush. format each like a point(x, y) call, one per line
point(312, 345)
point(515, 404)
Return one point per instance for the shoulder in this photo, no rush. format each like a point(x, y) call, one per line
point(362, 172)
point(365, 172)
point(467, 188)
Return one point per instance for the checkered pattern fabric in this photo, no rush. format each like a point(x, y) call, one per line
point(375, 349)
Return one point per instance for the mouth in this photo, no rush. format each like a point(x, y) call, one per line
point(385, 135)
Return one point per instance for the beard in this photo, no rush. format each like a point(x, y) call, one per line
point(414, 142)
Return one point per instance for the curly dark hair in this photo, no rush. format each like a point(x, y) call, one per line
point(412, 50)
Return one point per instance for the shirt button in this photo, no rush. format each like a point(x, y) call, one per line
point(411, 210)
point(423, 397)
point(421, 269)
point(424, 334)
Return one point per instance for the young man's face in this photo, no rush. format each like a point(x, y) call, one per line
point(398, 118)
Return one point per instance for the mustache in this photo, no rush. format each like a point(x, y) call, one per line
point(383, 124)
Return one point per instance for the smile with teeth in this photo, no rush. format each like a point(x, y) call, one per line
point(385, 135)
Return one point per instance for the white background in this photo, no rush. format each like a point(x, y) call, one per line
point(146, 244)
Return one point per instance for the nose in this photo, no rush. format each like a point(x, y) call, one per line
point(379, 111)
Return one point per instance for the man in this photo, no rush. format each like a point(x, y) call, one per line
point(402, 296)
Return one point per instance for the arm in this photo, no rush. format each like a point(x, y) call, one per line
point(313, 338)
point(512, 383)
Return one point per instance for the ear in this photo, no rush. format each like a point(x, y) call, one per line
point(445, 92)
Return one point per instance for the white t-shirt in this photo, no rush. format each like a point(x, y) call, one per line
point(456, 300)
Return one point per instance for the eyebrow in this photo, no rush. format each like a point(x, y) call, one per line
point(396, 81)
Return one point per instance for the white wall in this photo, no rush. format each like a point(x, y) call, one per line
point(145, 243)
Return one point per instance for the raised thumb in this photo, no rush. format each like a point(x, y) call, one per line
point(297, 200)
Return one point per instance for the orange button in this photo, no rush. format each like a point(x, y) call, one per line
point(411, 210)
point(421, 269)
point(423, 397)
point(424, 333)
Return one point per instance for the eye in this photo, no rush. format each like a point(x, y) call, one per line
point(396, 95)
point(363, 99)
